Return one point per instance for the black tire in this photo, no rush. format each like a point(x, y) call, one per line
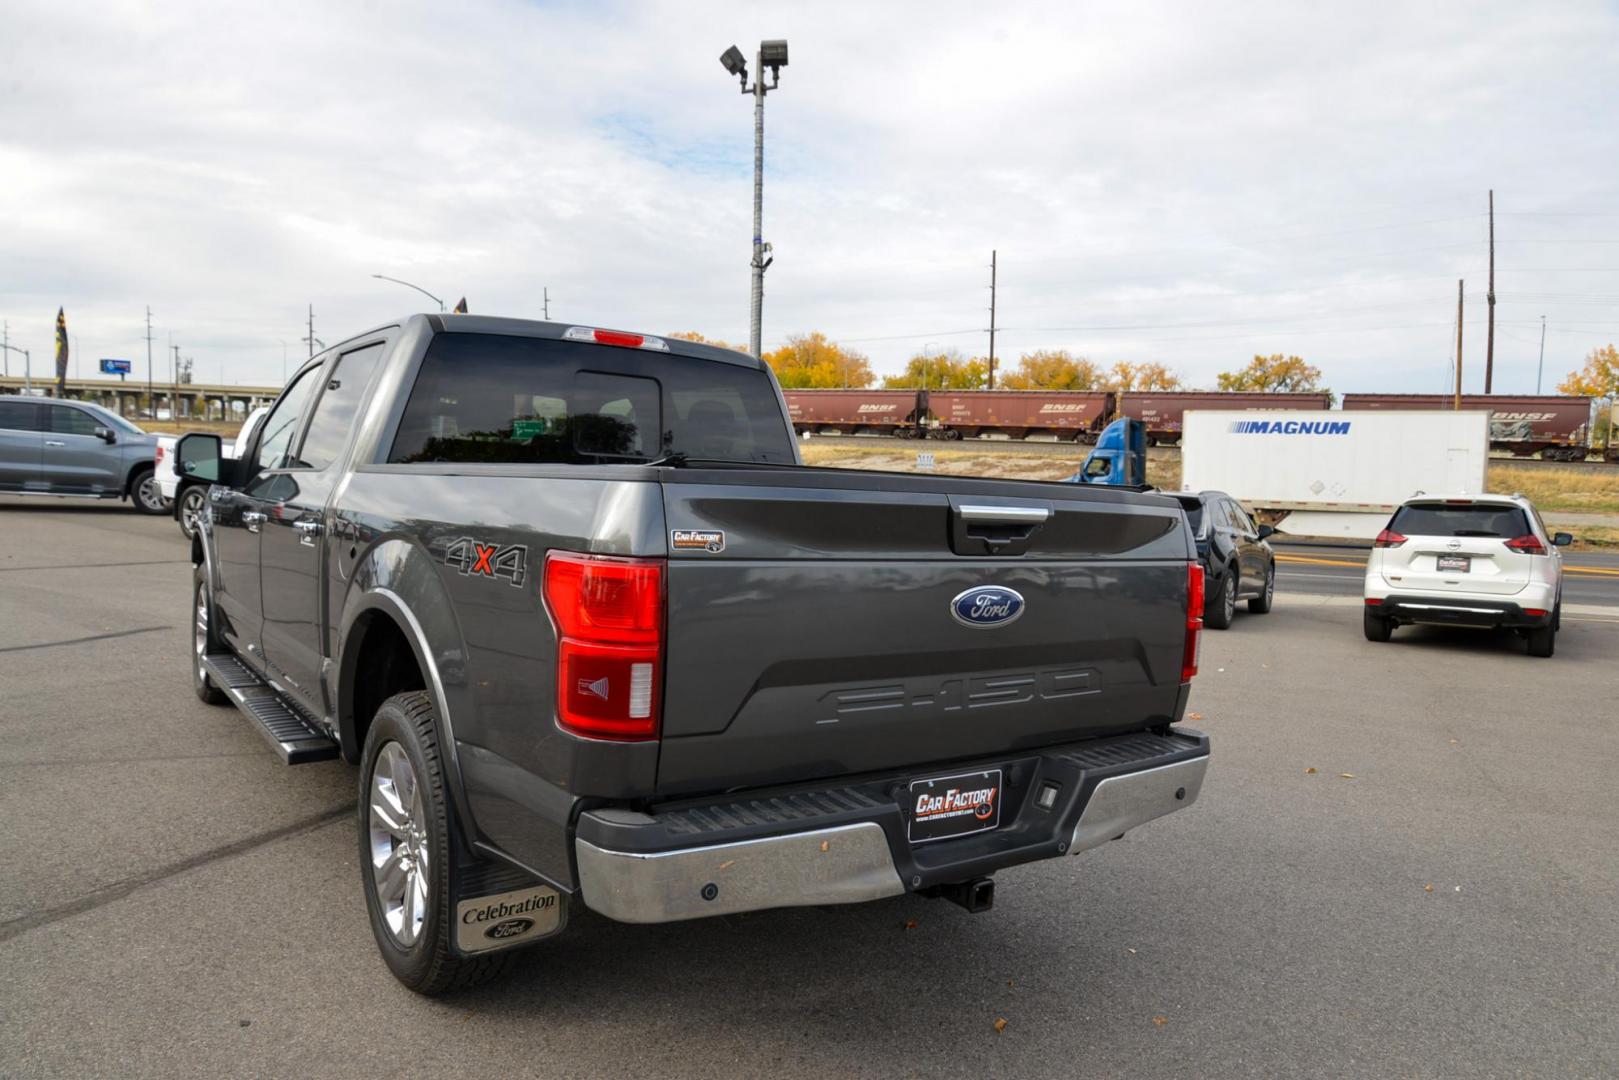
point(204, 637)
point(427, 965)
point(143, 493)
point(1221, 605)
point(1377, 628)
point(1542, 640)
point(1261, 604)
point(191, 502)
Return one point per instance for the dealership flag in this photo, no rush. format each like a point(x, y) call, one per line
point(61, 353)
point(461, 308)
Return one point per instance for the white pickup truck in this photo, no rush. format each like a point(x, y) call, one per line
point(187, 499)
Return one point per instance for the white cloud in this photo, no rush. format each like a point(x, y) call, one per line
point(1187, 184)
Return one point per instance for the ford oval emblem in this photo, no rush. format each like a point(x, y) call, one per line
point(509, 928)
point(986, 607)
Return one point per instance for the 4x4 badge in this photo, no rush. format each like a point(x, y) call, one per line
point(475, 559)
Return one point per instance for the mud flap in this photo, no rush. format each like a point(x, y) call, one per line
point(501, 908)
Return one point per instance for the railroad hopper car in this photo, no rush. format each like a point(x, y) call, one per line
point(1554, 427)
point(1162, 411)
point(1066, 415)
point(857, 412)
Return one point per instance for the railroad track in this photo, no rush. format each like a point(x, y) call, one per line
point(1077, 451)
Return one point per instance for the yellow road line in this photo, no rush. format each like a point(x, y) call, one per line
point(1318, 562)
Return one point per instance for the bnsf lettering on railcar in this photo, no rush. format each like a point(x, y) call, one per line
point(877, 408)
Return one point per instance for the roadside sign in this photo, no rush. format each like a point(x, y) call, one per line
point(924, 461)
point(119, 368)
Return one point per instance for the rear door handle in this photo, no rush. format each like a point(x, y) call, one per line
point(252, 519)
point(309, 530)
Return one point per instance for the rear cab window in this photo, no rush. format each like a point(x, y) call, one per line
point(1460, 519)
point(516, 400)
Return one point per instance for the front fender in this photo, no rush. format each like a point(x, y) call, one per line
point(399, 579)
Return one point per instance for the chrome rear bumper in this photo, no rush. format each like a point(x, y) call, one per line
point(847, 863)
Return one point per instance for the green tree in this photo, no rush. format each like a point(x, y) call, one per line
point(1051, 369)
point(1599, 378)
point(1124, 376)
point(944, 371)
point(1274, 374)
point(811, 361)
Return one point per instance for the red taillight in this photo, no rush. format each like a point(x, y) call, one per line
point(1534, 612)
point(1373, 601)
point(1527, 545)
point(1194, 621)
point(609, 616)
point(1388, 538)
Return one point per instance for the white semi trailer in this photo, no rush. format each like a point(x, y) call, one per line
point(1334, 473)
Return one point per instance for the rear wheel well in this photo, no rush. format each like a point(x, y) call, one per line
point(384, 665)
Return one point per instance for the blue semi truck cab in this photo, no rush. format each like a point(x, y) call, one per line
point(1120, 456)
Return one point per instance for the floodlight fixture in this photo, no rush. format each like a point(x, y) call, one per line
point(773, 54)
point(735, 62)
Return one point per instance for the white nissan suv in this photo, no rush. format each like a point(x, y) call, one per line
point(1480, 560)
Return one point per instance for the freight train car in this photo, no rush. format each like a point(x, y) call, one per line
point(1554, 427)
point(1068, 415)
point(857, 412)
point(1162, 410)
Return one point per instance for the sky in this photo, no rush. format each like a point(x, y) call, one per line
point(1184, 183)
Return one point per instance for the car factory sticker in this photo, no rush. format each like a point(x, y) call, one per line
point(709, 540)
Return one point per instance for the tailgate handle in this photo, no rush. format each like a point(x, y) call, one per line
point(1004, 515)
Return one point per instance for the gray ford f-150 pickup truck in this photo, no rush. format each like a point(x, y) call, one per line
point(594, 635)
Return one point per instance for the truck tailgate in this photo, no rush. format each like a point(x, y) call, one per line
point(812, 633)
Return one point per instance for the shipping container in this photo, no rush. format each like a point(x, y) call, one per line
point(1068, 415)
point(1554, 427)
point(1331, 473)
point(1162, 410)
point(856, 412)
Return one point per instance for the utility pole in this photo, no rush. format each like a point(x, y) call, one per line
point(174, 383)
point(311, 331)
point(992, 320)
point(1489, 340)
point(547, 302)
point(1458, 404)
point(1541, 368)
point(149, 404)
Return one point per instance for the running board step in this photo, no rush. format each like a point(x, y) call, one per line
point(294, 738)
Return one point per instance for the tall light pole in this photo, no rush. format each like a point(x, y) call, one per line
point(408, 285)
point(772, 55)
point(283, 361)
point(1541, 369)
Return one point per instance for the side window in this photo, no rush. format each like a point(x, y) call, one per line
point(1240, 519)
point(17, 415)
point(283, 420)
point(334, 413)
point(66, 420)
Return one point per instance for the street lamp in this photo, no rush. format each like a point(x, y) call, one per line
point(408, 285)
point(772, 55)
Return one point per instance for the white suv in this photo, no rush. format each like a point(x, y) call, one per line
point(1480, 560)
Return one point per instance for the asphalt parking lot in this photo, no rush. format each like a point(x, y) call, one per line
point(1403, 863)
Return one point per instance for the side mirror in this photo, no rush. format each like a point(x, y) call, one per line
point(1266, 532)
point(198, 456)
point(1562, 539)
point(107, 435)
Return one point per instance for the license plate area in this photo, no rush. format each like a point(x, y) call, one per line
point(1457, 564)
point(945, 807)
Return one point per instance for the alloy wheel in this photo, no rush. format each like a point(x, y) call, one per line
point(399, 844)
